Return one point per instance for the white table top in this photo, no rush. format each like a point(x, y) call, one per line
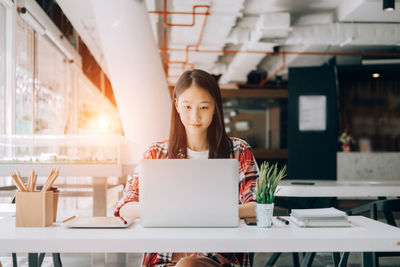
point(7, 209)
point(330, 188)
point(364, 235)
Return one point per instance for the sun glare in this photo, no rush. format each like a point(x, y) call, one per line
point(103, 123)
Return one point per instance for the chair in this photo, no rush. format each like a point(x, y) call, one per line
point(387, 207)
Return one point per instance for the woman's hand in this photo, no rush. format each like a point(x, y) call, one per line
point(247, 210)
point(129, 211)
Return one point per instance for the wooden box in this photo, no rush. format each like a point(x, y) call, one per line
point(34, 209)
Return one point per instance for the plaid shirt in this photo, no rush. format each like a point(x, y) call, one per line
point(248, 174)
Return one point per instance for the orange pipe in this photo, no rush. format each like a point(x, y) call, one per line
point(165, 12)
point(284, 53)
point(366, 54)
point(164, 53)
point(193, 13)
point(196, 46)
point(177, 12)
point(184, 63)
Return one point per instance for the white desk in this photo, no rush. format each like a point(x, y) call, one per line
point(322, 188)
point(7, 209)
point(365, 236)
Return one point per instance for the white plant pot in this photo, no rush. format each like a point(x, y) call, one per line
point(264, 214)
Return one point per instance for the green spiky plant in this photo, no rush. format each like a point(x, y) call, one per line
point(268, 181)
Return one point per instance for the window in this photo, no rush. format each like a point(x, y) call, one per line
point(51, 109)
point(24, 73)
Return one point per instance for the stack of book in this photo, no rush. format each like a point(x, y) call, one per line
point(326, 217)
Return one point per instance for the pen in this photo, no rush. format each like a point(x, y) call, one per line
point(122, 220)
point(70, 218)
point(283, 220)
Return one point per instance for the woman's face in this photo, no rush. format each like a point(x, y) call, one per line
point(196, 109)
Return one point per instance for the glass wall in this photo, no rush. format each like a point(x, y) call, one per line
point(24, 73)
point(52, 95)
point(2, 68)
point(51, 109)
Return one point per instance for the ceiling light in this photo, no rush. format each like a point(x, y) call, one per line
point(227, 120)
point(233, 113)
point(375, 75)
point(388, 5)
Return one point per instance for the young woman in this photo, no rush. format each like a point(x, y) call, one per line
point(197, 132)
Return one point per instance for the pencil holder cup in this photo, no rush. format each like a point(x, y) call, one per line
point(34, 209)
point(56, 193)
point(55, 204)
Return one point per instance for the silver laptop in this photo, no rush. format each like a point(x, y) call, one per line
point(189, 193)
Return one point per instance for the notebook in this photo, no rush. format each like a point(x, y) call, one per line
point(97, 222)
point(324, 217)
point(189, 193)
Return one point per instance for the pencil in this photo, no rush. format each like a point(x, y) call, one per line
point(18, 182)
point(21, 181)
point(51, 181)
point(70, 218)
point(34, 183)
point(48, 179)
point(30, 181)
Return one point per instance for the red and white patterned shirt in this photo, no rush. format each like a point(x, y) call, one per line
point(248, 174)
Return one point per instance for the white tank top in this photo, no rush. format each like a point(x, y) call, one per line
point(191, 154)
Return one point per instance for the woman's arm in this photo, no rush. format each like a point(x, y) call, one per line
point(130, 210)
point(247, 210)
point(249, 173)
point(128, 206)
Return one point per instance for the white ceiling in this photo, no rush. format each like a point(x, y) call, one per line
point(258, 25)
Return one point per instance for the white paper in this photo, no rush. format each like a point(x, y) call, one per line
point(312, 113)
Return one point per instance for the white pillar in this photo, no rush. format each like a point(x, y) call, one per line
point(135, 70)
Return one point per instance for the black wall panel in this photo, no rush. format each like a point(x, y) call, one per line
point(312, 154)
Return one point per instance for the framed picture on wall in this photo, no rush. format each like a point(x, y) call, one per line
point(312, 113)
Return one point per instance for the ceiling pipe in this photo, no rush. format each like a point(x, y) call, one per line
point(284, 53)
point(165, 12)
point(309, 53)
point(196, 46)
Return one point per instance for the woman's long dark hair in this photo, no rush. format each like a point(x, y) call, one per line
point(220, 146)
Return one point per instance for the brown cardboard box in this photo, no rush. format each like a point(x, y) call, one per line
point(34, 209)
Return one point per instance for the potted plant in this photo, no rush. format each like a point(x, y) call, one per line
point(267, 183)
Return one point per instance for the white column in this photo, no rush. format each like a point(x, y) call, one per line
point(135, 70)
